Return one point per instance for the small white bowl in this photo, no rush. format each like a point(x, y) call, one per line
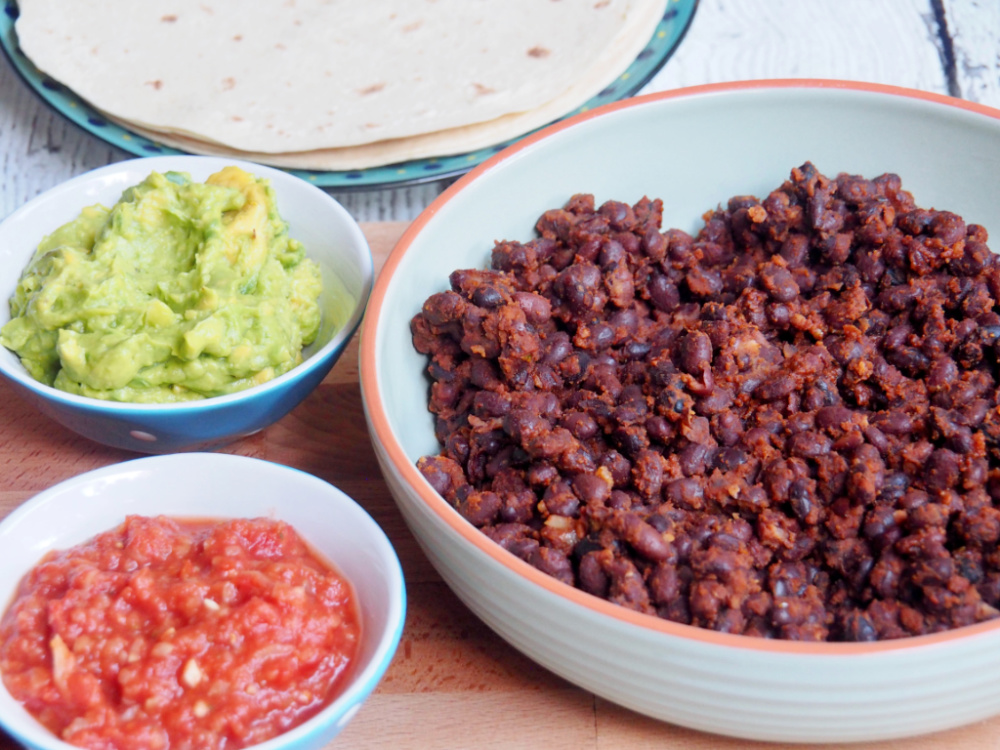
point(694, 148)
point(331, 237)
point(207, 485)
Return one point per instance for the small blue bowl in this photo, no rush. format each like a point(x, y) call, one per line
point(331, 237)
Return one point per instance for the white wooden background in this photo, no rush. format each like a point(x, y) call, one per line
point(946, 46)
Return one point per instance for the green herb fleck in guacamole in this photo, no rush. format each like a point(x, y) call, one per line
point(181, 291)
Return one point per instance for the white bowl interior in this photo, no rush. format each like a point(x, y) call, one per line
point(201, 485)
point(693, 152)
point(330, 235)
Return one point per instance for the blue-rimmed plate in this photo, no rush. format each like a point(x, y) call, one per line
point(664, 41)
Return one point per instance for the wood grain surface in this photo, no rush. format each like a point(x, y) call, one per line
point(453, 683)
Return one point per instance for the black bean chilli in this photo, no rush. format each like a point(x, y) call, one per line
point(786, 426)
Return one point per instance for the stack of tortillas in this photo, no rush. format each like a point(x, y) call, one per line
point(335, 84)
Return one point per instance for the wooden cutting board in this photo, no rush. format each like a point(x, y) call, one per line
point(453, 683)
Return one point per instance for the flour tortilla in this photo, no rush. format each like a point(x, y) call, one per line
point(305, 80)
point(632, 39)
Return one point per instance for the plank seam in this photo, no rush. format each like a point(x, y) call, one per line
point(946, 48)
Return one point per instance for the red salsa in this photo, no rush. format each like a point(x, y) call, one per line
point(179, 634)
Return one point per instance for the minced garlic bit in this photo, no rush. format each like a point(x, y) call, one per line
point(201, 709)
point(62, 659)
point(192, 674)
point(161, 649)
point(212, 605)
point(605, 473)
point(560, 522)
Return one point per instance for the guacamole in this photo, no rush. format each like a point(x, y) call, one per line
point(182, 290)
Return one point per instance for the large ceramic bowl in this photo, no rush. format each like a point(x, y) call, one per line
point(331, 237)
point(218, 486)
point(693, 148)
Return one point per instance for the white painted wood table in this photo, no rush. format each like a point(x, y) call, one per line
point(454, 684)
point(945, 46)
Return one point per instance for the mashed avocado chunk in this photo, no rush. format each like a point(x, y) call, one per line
point(182, 290)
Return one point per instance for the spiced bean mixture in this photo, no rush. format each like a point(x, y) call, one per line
point(786, 426)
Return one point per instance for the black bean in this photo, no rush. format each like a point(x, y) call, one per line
point(581, 424)
point(943, 470)
point(487, 296)
point(695, 352)
point(663, 293)
point(779, 283)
